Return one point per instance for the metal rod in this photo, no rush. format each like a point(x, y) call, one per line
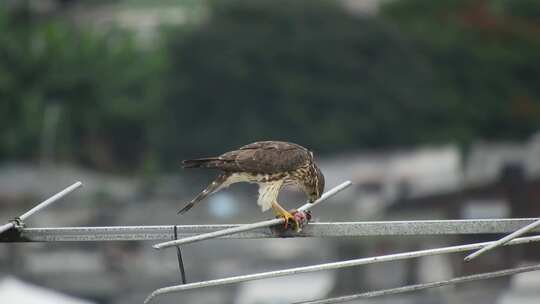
point(248, 227)
point(330, 266)
point(315, 229)
point(7, 226)
point(181, 267)
point(41, 205)
point(503, 240)
point(417, 287)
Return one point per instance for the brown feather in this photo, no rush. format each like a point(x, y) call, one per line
point(209, 162)
point(213, 187)
point(262, 162)
point(265, 157)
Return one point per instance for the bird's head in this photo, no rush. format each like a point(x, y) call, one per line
point(316, 187)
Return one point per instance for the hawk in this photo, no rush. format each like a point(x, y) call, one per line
point(271, 165)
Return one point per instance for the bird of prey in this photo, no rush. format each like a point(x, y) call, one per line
point(271, 165)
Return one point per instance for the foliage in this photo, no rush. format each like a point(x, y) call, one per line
point(306, 71)
point(486, 55)
point(101, 83)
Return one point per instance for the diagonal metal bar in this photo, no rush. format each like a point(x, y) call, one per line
point(330, 266)
point(417, 287)
point(253, 226)
point(314, 229)
point(504, 240)
point(41, 206)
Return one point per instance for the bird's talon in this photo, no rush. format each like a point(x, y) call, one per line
point(286, 217)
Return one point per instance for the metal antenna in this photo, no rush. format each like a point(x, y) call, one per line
point(19, 220)
point(330, 266)
point(194, 233)
point(248, 227)
point(180, 260)
point(417, 287)
point(315, 229)
point(504, 240)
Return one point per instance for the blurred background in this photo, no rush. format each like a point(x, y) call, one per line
point(431, 108)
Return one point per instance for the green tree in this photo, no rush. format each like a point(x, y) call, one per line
point(486, 56)
point(305, 71)
point(105, 87)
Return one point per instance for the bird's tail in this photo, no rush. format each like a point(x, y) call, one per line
point(213, 187)
point(208, 162)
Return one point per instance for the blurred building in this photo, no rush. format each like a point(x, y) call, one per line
point(17, 291)
point(146, 17)
point(142, 17)
point(495, 180)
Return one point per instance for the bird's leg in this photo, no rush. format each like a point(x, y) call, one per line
point(281, 212)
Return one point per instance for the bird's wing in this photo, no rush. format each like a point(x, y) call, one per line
point(265, 157)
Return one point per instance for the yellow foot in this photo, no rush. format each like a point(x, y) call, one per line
point(288, 216)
